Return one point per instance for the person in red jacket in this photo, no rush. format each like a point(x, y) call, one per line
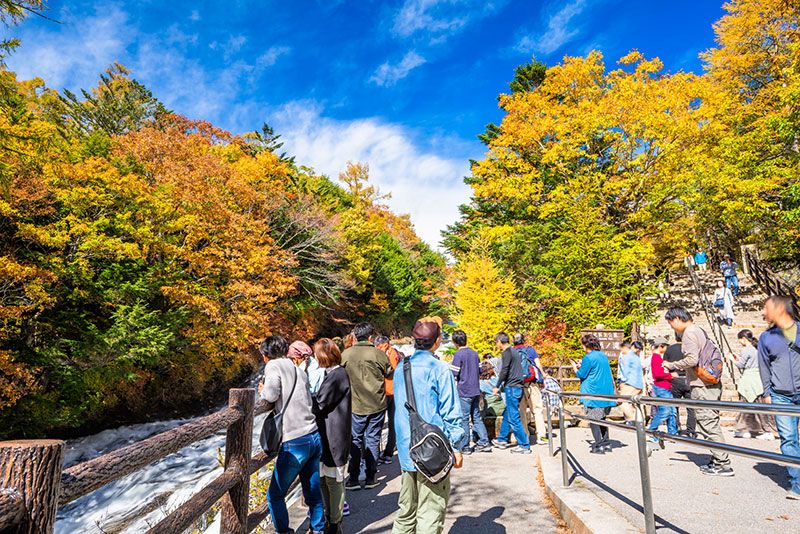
point(662, 388)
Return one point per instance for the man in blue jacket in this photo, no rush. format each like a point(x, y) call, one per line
point(422, 504)
point(779, 363)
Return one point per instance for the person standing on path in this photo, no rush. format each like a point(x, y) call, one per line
point(531, 391)
point(693, 340)
point(366, 367)
point(779, 362)
point(701, 260)
point(332, 410)
point(662, 389)
point(286, 388)
point(723, 302)
point(422, 504)
point(511, 380)
point(631, 379)
point(594, 371)
point(382, 343)
point(728, 268)
point(681, 389)
point(751, 389)
point(466, 368)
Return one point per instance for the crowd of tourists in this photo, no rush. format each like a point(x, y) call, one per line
point(333, 400)
point(691, 368)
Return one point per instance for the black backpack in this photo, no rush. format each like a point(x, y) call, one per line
point(430, 450)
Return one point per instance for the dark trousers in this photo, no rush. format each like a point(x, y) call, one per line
point(366, 441)
point(391, 438)
point(599, 432)
point(681, 390)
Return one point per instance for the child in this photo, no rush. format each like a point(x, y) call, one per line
point(662, 388)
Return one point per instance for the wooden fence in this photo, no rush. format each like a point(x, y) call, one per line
point(33, 483)
point(768, 281)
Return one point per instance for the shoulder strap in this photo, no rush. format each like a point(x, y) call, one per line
point(285, 404)
point(411, 403)
point(794, 347)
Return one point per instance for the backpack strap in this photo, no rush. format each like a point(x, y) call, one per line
point(411, 403)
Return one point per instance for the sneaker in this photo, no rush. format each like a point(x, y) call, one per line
point(766, 436)
point(352, 485)
point(793, 495)
point(606, 448)
point(385, 460)
point(717, 470)
point(370, 483)
point(500, 444)
point(467, 451)
point(346, 509)
point(483, 448)
point(597, 450)
point(521, 450)
point(742, 434)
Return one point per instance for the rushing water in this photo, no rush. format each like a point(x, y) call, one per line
point(136, 502)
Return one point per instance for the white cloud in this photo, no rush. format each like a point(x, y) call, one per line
point(388, 74)
point(271, 56)
point(194, 16)
point(426, 185)
point(558, 33)
point(440, 18)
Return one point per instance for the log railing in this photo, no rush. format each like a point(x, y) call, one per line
point(769, 281)
point(33, 483)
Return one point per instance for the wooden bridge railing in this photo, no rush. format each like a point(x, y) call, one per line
point(770, 282)
point(33, 483)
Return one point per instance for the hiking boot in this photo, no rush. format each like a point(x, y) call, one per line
point(717, 470)
point(370, 483)
point(500, 444)
point(487, 447)
point(352, 485)
point(520, 450)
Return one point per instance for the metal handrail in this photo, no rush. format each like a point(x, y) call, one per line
point(641, 434)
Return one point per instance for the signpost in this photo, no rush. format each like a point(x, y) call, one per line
point(610, 340)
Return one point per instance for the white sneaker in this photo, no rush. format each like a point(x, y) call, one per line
point(766, 436)
point(742, 434)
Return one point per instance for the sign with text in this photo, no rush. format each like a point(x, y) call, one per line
point(610, 340)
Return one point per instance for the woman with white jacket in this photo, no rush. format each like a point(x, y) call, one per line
point(723, 302)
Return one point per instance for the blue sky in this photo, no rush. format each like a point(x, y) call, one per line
point(404, 85)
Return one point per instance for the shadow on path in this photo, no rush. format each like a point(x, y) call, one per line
point(661, 523)
point(486, 523)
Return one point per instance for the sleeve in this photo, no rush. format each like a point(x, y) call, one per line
point(385, 365)
point(764, 365)
point(450, 407)
point(272, 384)
point(621, 365)
point(691, 355)
point(456, 365)
point(505, 368)
point(583, 370)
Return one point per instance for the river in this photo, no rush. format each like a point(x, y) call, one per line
point(138, 501)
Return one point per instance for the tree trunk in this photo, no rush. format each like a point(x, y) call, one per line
point(33, 469)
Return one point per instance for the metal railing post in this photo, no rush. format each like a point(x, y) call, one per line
point(644, 472)
point(562, 431)
point(549, 423)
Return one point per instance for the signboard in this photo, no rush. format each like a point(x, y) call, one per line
point(610, 340)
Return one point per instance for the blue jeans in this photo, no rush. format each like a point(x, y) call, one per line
point(512, 420)
point(664, 413)
point(300, 456)
point(787, 429)
point(366, 440)
point(732, 283)
point(471, 407)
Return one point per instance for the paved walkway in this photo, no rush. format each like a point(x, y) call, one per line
point(753, 501)
point(494, 493)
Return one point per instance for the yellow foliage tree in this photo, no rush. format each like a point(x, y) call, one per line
point(483, 300)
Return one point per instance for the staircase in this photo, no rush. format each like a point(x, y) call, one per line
point(747, 310)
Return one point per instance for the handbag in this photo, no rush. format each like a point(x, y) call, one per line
point(272, 431)
point(430, 451)
point(719, 303)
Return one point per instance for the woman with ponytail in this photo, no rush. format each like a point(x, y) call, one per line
point(751, 390)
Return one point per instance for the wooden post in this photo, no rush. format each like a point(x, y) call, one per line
point(33, 469)
point(238, 445)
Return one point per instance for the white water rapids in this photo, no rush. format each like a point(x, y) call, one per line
point(138, 501)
